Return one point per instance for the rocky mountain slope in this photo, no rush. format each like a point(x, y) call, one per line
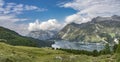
point(105, 29)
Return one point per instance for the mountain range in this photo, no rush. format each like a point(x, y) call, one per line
point(105, 29)
point(99, 29)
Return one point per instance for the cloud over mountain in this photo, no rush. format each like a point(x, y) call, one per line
point(86, 10)
point(51, 24)
point(76, 18)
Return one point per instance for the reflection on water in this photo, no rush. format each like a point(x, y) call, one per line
point(78, 45)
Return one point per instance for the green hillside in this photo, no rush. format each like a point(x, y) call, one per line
point(13, 38)
point(10, 53)
point(118, 53)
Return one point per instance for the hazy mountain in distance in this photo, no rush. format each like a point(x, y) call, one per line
point(42, 34)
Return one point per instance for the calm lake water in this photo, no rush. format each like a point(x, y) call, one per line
point(79, 45)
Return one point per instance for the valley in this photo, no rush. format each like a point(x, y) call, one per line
point(96, 41)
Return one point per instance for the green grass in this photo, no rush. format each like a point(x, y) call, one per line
point(10, 53)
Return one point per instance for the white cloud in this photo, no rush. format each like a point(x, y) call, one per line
point(51, 24)
point(76, 18)
point(92, 8)
point(11, 18)
point(1, 2)
point(10, 8)
point(9, 22)
point(19, 28)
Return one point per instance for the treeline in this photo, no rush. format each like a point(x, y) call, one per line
point(105, 51)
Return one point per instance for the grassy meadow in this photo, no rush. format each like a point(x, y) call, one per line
point(10, 53)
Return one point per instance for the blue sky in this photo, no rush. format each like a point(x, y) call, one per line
point(52, 9)
point(23, 16)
